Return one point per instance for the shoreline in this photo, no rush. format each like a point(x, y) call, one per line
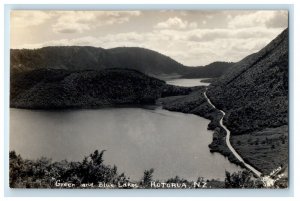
point(200, 107)
point(192, 103)
point(228, 143)
point(196, 103)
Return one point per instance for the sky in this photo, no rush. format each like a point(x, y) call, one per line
point(193, 38)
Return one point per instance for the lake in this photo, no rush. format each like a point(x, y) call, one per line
point(135, 139)
point(187, 82)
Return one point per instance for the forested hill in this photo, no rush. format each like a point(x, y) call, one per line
point(60, 89)
point(254, 96)
point(254, 93)
point(92, 58)
point(215, 69)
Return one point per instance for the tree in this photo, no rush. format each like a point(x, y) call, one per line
point(147, 178)
point(241, 179)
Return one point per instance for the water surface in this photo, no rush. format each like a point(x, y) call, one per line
point(188, 82)
point(135, 139)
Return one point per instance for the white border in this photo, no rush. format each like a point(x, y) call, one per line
point(293, 90)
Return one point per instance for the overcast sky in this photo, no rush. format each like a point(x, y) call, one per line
point(190, 37)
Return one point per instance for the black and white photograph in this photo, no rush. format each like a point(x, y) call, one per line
point(149, 99)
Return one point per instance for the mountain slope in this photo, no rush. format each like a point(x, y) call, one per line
point(92, 58)
point(254, 96)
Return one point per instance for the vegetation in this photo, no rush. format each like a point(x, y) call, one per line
point(213, 70)
point(59, 89)
point(91, 58)
point(196, 103)
point(147, 178)
point(255, 99)
point(242, 179)
point(254, 96)
point(91, 172)
point(43, 173)
point(257, 91)
point(268, 148)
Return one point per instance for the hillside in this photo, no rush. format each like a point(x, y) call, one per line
point(255, 94)
point(254, 97)
point(58, 89)
point(215, 69)
point(92, 58)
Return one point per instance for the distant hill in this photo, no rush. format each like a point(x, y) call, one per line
point(215, 69)
point(59, 89)
point(92, 58)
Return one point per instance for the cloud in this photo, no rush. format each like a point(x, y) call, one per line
point(70, 28)
point(190, 47)
point(208, 35)
point(175, 23)
point(205, 35)
point(193, 25)
point(22, 19)
point(279, 19)
point(80, 21)
point(73, 21)
point(259, 18)
point(192, 38)
point(108, 41)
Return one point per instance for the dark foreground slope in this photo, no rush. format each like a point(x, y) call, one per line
point(54, 88)
point(254, 97)
point(92, 58)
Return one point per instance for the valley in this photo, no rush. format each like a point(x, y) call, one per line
point(246, 103)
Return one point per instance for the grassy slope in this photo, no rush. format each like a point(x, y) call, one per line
point(267, 148)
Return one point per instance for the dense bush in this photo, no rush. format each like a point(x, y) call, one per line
point(56, 89)
point(43, 173)
point(242, 179)
point(254, 93)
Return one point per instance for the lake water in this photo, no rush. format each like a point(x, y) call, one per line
point(188, 82)
point(135, 139)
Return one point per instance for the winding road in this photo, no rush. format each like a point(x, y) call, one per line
point(256, 172)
